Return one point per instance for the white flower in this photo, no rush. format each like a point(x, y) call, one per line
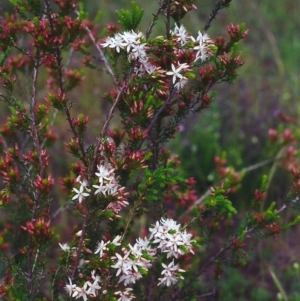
point(170, 274)
point(155, 229)
point(149, 68)
point(131, 39)
point(93, 287)
point(80, 194)
point(170, 238)
point(144, 67)
point(202, 38)
point(117, 240)
point(174, 240)
point(143, 243)
point(170, 223)
point(114, 42)
point(111, 187)
point(138, 52)
point(202, 47)
point(168, 280)
point(171, 269)
point(82, 183)
point(101, 247)
point(121, 264)
point(65, 247)
point(81, 292)
point(176, 72)
point(130, 277)
point(94, 276)
point(181, 83)
point(70, 287)
point(133, 264)
point(103, 173)
point(79, 233)
point(187, 240)
point(100, 188)
point(202, 53)
point(125, 295)
point(181, 33)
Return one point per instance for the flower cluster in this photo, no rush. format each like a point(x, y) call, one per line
point(202, 49)
point(166, 236)
point(131, 42)
point(170, 238)
point(89, 289)
point(181, 34)
point(107, 184)
point(131, 264)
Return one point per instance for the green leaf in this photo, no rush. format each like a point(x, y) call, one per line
point(153, 187)
point(220, 204)
point(293, 223)
point(130, 20)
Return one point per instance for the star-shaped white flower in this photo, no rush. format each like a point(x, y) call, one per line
point(181, 33)
point(80, 194)
point(99, 188)
point(101, 247)
point(70, 287)
point(93, 287)
point(81, 292)
point(103, 173)
point(170, 273)
point(176, 71)
point(122, 264)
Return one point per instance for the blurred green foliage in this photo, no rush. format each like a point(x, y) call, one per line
point(236, 123)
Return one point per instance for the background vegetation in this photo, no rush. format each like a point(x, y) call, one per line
point(236, 126)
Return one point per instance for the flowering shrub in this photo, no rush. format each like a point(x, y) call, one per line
point(138, 230)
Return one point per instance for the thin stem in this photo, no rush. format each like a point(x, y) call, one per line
point(80, 244)
point(155, 18)
point(213, 15)
point(36, 141)
point(35, 134)
point(131, 215)
point(168, 26)
point(284, 206)
point(102, 56)
point(212, 293)
point(104, 129)
point(154, 119)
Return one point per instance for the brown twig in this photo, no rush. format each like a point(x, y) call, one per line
point(102, 56)
point(154, 119)
point(218, 6)
point(155, 18)
point(168, 25)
